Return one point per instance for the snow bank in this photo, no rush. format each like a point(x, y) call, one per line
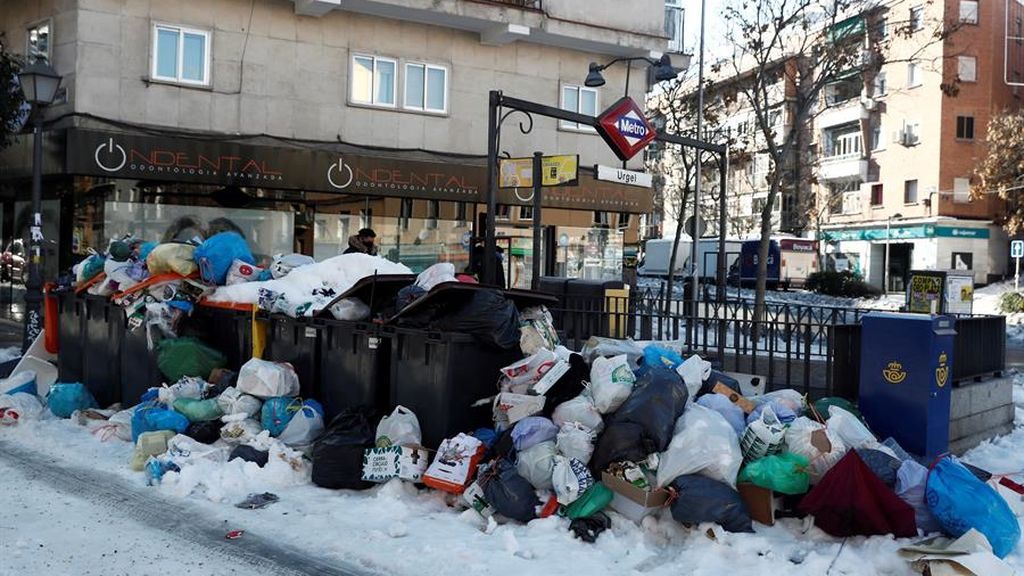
point(8, 354)
point(338, 273)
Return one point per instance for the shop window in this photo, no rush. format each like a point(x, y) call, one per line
point(674, 25)
point(38, 40)
point(910, 192)
point(913, 74)
point(433, 210)
point(426, 88)
point(526, 212)
point(965, 127)
point(581, 100)
point(461, 213)
point(181, 55)
point(962, 261)
point(916, 18)
point(967, 68)
point(624, 219)
point(502, 212)
point(876, 194)
point(969, 11)
point(366, 218)
point(600, 218)
point(372, 80)
point(405, 214)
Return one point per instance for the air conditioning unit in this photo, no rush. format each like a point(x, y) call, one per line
point(899, 136)
point(868, 103)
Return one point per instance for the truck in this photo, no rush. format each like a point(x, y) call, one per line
point(790, 262)
point(658, 251)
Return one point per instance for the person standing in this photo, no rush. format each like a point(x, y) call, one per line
point(362, 243)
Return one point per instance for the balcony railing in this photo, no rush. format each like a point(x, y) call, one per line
point(529, 4)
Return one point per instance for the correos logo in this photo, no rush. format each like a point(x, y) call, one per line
point(339, 174)
point(110, 157)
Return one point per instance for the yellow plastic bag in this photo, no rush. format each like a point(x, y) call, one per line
point(172, 257)
point(259, 335)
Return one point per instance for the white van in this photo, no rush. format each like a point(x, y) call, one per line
point(658, 252)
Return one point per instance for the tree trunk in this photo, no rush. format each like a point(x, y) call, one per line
point(762, 261)
point(675, 250)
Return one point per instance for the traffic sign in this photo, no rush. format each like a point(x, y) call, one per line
point(1017, 249)
point(625, 128)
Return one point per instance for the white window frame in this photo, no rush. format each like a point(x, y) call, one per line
point(181, 30)
point(916, 188)
point(48, 23)
point(881, 84)
point(919, 23)
point(912, 128)
point(967, 68)
point(405, 86)
point(913, 75)
point(961, 190)
point(526, 213)
point(968, 11)
point(373, 81)
point(676, 7)
point(573, 126)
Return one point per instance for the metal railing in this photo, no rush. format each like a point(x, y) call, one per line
point(815, 349)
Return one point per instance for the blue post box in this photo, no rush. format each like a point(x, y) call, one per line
point(906, 372)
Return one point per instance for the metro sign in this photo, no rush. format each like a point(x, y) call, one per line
point(625, 128)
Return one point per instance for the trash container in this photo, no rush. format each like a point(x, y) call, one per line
point(227, 327)
point(103, 327)
point(296, 341)
point(71, 309)
point(139, 369)
point(906, 372)
point(354, 358)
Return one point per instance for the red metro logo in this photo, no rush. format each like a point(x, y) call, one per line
point(625, 128)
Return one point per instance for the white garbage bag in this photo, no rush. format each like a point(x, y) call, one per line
point(304, 427)
point(580, 409)
point(264, 379)
point(703, 442)
point(570, 478)
point(119, 425)
point(575, 440)
point(241, 272)
point(285, 263)
point(694, 371)
point(19, 407)
point(234, 401)
point(852, 431)
point(537, 464)
point(182, 449)
point(352, 309)
point(436, 274)
point(611, 382)
point(187, 387)
point(400, 428)
point(801, 437)
point(764, 435)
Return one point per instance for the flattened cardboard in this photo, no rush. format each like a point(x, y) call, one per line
point(819, 439)
point(646, 498)
point(734, 397)
point(760, 502)
point(405, 462)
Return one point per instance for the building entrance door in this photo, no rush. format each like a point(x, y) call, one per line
point(899, 266)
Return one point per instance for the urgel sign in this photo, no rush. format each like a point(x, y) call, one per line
point(625, 128)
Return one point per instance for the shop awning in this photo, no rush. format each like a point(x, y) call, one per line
point(846, 29)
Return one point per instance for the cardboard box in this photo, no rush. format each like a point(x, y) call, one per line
point(760, 502)
point(455, 464)
point(735, 397)
point(632, 502)
point(517, 406)
point(405, 462)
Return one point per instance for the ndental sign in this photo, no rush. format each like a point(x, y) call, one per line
point(625, 128)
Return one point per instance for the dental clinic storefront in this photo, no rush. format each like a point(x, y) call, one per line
point(920, 244)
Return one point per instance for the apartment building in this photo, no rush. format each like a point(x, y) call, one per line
point(303, 121)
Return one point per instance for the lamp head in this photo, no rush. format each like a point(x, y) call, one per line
point(594, 77)
point(39, 83)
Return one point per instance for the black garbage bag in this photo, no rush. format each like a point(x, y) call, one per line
point(646, 420)
point(250, 454)
point(206, 432)
point(883, 465)
point(487, 315)
point(338, 453)
point(510, 494)
point(717, 377)
point(620, 442)
point(589, 528)
point(502, 448)
point(569, 386)
point(702, 499)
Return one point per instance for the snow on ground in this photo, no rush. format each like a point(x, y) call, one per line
point(986, 301)
point(8, 354)
point(793, 296)
point(397, 529)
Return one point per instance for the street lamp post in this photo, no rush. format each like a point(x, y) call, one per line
point(888, 235)
point(39, 84)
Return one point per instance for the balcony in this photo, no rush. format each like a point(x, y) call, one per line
point(845, 112)
point(850, 166)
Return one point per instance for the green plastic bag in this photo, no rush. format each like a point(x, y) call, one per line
point(784, 473)
point(179, 357)
point(595, 499)
point(822, 406)
point(198, 410)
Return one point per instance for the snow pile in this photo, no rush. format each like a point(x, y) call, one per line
point(8, 354)
point(231, 481)
point(986, 301)
point(338, 273)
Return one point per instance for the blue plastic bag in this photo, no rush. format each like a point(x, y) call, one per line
point(65, 398)
point(732, 413)
point(960, 502)
point(278, 412)
point(531, 431)
point(658, 356)
point(24, 381)
point(216, 254)
point(153, 416)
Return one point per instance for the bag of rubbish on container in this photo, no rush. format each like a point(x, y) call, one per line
point(822, 447)
point(620, 442)
point(338, 454)
point(580, 409)
point(575, 441)
point(277, 412)
point(216, 254)
point(782, 411)
point(911, 481)
point(508, 493)
point(655, 355)
point(437, 274)
point(188, 387)
point(264, 379)
point(19, 407)
point(172, 257)
point(960, 502)
point(150, 417)
point(732, 413)
point(784, 473)
point(656, 404)
point(597, 346)
point(764, 436)
point(703, 499)
point(305, 425)
point(400, 428)
point(206, 432)
point(694, 371)
point(537, 464)
point(570, 478)
point(351, 309)
point(24, 381)
point(198, 410)
point(234, 401)
point(487, 316)
point(704, 443)
point(239, 431)
point(285, 263)
point(65, 398)
point(187, 356)
point(569, 385)
point(611, 382)
point(531, 431)
point(852, 431)
point(242, 272)
point(537, 330)
point(526, 372)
